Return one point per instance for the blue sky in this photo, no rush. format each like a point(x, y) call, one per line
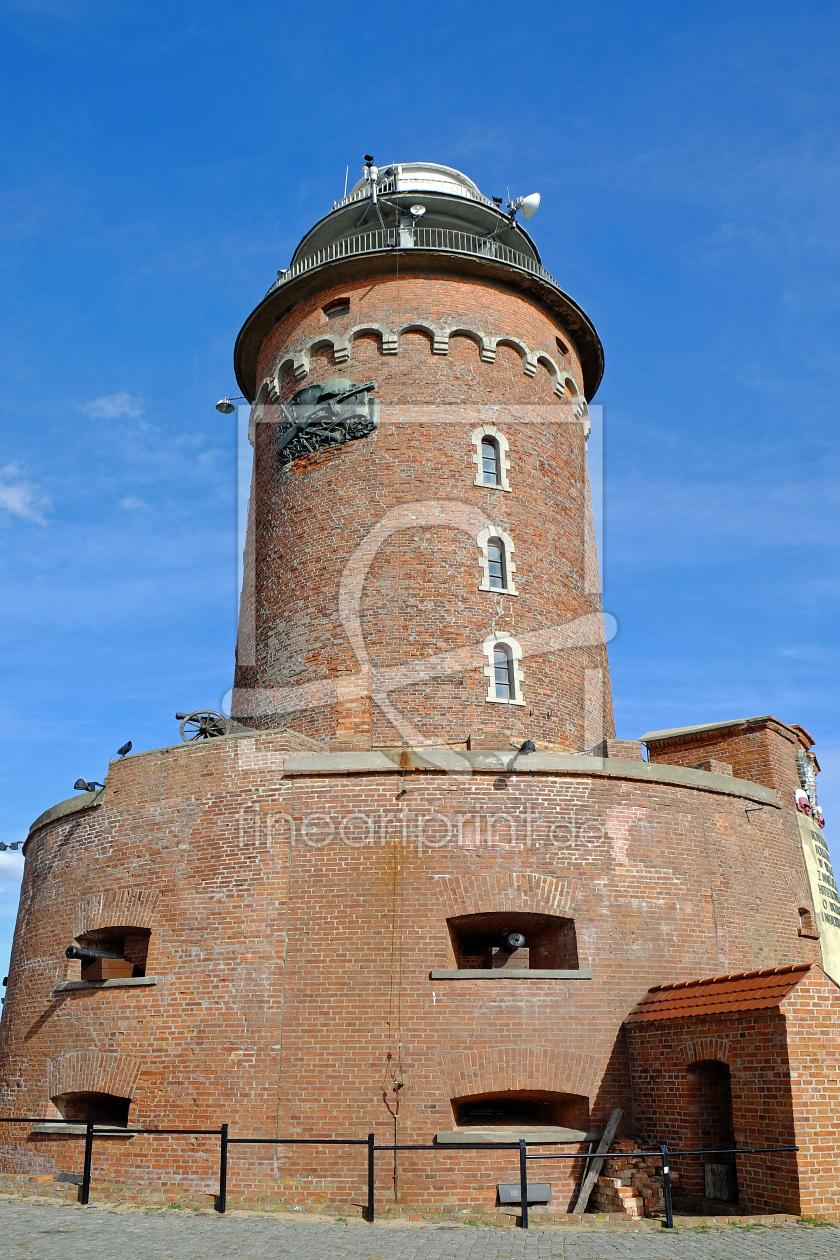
point(160, 162)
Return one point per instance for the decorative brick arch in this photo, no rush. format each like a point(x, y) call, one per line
point(121, 907)
point(439, 336)
point(497, 1069)
point(703, 1049)
point(92, 1072)
point(342, 348)
point(389, 340)
point(486, 345)
point(508, 890)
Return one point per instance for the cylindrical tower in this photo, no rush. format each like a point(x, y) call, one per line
point(419, 887)
point(440, 531)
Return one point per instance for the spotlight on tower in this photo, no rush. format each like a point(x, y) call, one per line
point(126, 748)
point(528, 205)
point(225, 406)
point(417, 212)
point(528, 746)
point(81, 785)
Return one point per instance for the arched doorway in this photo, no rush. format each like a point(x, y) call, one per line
point(709, 1127)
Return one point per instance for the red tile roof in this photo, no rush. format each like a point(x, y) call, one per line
point(745, 991)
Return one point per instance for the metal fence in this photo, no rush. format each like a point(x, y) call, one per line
point(444, 239)
point(225, 1143)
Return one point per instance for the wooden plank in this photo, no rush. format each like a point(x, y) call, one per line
point(594, 1167)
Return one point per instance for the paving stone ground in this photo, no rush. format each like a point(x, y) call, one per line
point(47, 1232)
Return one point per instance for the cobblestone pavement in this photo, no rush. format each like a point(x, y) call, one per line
point(36, 1232)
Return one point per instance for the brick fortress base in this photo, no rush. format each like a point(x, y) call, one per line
point(304, 957)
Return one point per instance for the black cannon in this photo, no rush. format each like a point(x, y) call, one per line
point(89, 955)
point(512, 942)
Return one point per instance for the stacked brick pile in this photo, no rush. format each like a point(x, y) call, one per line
point(630, 1183)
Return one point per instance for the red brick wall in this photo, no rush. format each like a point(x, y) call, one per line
point(670, 1102)
point(421, 597)
point(287, 973)
point(762, 750)
point(785, 1066)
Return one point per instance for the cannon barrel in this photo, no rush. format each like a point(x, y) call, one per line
point(88, 955)
point(512, 942)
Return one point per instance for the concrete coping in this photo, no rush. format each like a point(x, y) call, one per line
point(76, 1130)
point(85, 800)
point(549, 1134)
point(491, 761)
point(512, 973)
point(126, 982)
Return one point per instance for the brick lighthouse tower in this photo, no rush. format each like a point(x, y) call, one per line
point(421, 567)
point(416, 888)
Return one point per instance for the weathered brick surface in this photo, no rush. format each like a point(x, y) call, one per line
point(420, 598)
point(287, 972)
point(785, 1080)
point(761, 749)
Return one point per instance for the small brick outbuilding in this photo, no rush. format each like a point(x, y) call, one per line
point(746, 1060)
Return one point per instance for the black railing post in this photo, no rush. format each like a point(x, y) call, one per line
point(370, 1170)
point(84, 1189)
point(666, 1177)
point(221, 1202)
point(523, 1181)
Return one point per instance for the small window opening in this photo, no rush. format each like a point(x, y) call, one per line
point(806, 923)
point(483, 941)
point(561, 346)
point(503, 673)
point(490, 461)
point(496, 566)
point(129, 944)
point(334, 309)
point(103, 1108)
point(521, 1107)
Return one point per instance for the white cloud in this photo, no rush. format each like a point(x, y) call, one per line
point(112, 406)
point(21, 498)
point(11, 865)
point(130, 502)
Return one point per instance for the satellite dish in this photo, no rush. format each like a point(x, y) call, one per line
point(417, 212)
point(530, 205)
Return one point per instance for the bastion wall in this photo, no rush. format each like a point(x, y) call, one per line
point(298, 905)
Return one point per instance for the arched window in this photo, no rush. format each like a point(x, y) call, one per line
point(496, 559)
point(505, 684)
point(496, 566)
point(502, 670)
point(490, 456)
point(490, 461)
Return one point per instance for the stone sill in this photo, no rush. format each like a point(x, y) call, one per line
point(127, 982)
point(550, 1134)
point(511, 973)
point(54, 1128)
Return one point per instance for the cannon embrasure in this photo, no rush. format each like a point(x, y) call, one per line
point(89, 955)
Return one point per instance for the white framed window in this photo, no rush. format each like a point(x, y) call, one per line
point(490, 456)
point(496, 559)
point(503, 670)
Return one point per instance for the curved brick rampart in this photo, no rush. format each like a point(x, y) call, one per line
point(285, 972)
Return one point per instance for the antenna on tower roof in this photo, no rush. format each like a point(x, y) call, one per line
point(371, 175)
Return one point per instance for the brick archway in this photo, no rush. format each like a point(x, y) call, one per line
point(494, 1069)
point(510, 890)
